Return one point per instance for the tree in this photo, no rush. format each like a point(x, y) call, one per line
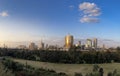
point(101, 71)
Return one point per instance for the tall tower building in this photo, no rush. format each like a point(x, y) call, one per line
point(41, 45)
point(95, 42)
point(89, 43)
point(68, 41)
point(79, 43)
point(103, 46)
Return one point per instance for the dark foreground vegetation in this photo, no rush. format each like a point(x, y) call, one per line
point(18, 69)
point(72, 56)
point(99, 72)
point(26, 70)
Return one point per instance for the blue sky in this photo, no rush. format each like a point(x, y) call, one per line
point(22, 20)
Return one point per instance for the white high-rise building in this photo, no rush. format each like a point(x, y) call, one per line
point(89, 43)
point(95, 42)
point(79, 43)
point(41, 45)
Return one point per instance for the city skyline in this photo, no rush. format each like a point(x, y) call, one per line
point(35, 20)
point(61, 42)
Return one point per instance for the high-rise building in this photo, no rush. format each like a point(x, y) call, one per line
point(79, 43)
point(41, 45)
point(32, 46)
point(89, 43)
point(95, 42)
point(103, 46)
point(68, 41)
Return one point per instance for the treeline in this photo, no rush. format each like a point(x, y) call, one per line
point(72, 56)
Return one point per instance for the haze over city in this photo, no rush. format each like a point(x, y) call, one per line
point(23, 21)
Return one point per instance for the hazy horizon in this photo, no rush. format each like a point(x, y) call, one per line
point(60, 42)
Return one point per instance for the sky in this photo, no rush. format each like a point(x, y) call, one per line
point(32, 20)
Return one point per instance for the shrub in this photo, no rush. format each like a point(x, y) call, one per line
point(62, 74)
point(110, 74)
point(78, 74)
point(92, 74)
point(101, 71)
point(114, 72)
point(112, 61)
point(95, 67)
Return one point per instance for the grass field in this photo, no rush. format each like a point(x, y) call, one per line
point(3, 72)
point(70, 69)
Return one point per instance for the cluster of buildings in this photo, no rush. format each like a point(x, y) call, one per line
point(32, 46)
point(69, 43)
point(90, 43)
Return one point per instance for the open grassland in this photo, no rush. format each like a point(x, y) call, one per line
point(3, 71)
point(70, 69)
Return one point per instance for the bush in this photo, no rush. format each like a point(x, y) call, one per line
point(50, 70)
point(62, 74)
point(78, 74)
point(112, 61)
point(101, 71)
point(95, 67)
point(110, 74)
point(115, 72)
point(92, 74)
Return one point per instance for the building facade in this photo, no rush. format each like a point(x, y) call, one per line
point(89, 43)
point(95, 42)
point(32, 46)
point(41, 45)
point(68, 41)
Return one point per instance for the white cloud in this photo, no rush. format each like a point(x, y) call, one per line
point(4, 14)
point(87, 6)
point(93, 12)
point(90, 12)
point(89, 20)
